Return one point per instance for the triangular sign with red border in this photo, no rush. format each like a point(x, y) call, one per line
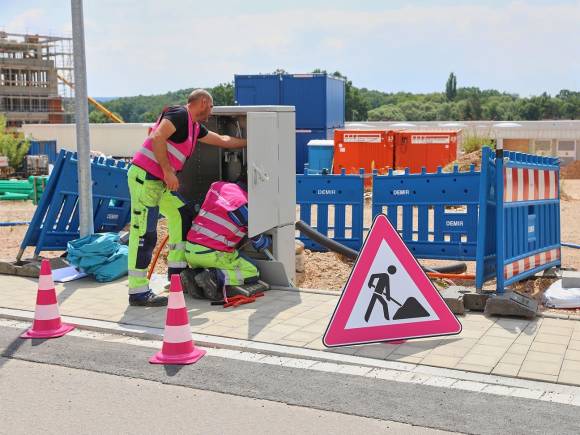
point(388, 296)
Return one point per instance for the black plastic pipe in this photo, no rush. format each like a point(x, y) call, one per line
point(339, 248)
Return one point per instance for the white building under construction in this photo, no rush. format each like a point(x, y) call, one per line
point(31, 91)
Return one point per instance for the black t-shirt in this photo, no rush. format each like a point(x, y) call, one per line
point(177, 115)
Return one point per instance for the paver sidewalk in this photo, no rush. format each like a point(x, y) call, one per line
point(541, 349)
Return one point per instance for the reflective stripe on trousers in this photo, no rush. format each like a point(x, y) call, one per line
point(177, 264)
point(235, 268)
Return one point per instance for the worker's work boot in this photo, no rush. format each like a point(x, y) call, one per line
point(208, 281)
point(189, 284)
point(247, 290)
point(148, 299)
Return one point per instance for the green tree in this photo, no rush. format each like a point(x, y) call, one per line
point(469, 103)
point(491, 110)
point(529, 110)
point(223, 94)
point(445, 112)
point(149, 117)
point(429, 112)
point(388, 112)
point(412, 110)
point(451, 87)
point(98, 117)
point(570, 111)
point(549, 107)
point(12, 145)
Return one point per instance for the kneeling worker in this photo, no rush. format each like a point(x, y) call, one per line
point(215, 234)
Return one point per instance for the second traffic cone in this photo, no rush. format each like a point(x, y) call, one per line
point(47, 323)
point(178, 347)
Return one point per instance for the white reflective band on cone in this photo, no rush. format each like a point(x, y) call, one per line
point(45, 282)
point(177, 334)
point(176, 300)
point(46, 312)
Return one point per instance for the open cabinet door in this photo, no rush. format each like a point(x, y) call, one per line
point(262, 171)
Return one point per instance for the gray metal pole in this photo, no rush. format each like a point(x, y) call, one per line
point(82, 121)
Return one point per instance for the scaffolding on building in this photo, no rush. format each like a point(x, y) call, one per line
point(30, 88)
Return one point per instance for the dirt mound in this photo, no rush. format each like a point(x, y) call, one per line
point(571, 171)
point(325, 270)
point(465, 161)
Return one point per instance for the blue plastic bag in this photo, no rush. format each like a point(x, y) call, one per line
point(100, 255)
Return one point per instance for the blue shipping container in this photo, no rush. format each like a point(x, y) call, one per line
point(303, 136)
point(43, 148)
point(319, 99)
point(258, 90)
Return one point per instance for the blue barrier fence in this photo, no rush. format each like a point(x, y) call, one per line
point(334, 205)
point(439, 215)
point(456, 215)
point(528, 218)
point(56, 219)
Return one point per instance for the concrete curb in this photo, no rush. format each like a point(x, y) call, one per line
point(328, 361)
point(308, 290)
point(559, 316)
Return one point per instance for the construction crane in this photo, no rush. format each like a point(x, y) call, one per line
point(95, 103)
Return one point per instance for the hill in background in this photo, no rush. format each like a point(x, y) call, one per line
point(454, 103)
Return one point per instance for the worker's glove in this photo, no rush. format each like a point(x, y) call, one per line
point(261, 242)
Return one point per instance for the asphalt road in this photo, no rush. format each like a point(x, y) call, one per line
point(54, 399)
point(329, 402)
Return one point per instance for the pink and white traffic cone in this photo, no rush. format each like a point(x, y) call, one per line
point(47, 323)
point(178, 347)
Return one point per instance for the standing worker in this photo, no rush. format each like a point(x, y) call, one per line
point(153, 186)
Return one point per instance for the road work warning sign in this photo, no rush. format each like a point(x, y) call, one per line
point(388, 296)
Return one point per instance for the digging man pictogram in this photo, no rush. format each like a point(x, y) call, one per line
point(382, 294)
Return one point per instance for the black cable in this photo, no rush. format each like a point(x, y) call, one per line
point(339, 248)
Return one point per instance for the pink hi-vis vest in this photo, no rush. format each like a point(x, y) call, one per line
point(177, 153)
point(213, 227)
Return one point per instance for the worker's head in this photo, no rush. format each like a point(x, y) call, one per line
point(200, 103)
point(392, 270)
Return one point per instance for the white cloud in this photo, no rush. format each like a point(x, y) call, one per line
point(145, 47)
point(27, 21)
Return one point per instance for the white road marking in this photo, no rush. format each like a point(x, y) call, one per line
point(308, 359)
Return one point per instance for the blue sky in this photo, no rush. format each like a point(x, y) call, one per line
point(151, 46)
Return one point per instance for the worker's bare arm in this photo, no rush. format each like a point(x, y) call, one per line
point(223, 141)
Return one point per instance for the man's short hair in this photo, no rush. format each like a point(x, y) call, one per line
point(198, 94)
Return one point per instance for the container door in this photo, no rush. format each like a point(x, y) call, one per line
point(257, 90)
point(402, 150)
point(306, 92)
point(390, 149)
point(262, 171)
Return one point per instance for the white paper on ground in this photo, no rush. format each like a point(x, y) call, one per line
point(558, 297)
point(67, 274)
point(159, 282)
